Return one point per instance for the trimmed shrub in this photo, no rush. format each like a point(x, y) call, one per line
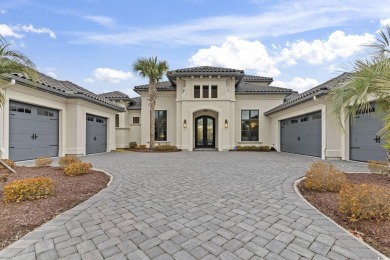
point(264, 148)
point(133, 145)
point(28, 189)
point(142, 146)
point(379, 167)
point(324, 177)
point(43, 162)
point(365, 201)
point(77, 169)
point(65, 161)
point(165, 148)
point(9, 162)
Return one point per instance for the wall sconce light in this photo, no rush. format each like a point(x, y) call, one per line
point(226, 123)
point(185, 123)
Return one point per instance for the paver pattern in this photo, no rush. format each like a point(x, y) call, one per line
point(194, 205)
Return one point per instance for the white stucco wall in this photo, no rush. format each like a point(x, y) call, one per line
point(262, 103)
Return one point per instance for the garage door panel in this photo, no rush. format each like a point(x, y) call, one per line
point(33, 131)
point(96, 134)
point(365, 143)
point(302, 134)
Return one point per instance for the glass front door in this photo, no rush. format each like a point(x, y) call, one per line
point(204, 132)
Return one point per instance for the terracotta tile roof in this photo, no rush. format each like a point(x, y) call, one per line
point(135, 104)
point(115, 95)
point(245, 87)
point(164, 85)
point(321, 89)
point(252, 78)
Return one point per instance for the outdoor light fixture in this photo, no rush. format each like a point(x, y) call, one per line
point(226, 123)
point(185, 123)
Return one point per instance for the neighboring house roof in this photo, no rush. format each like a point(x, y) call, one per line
point(115, 95)
point(164, 85)
point(322, 89)
point(251, 78)
point(135, 104)
point(253, 88)
point(205, 71)
point(65, 89)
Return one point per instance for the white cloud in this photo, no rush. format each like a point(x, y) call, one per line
point(89, 80)
point(102, 20)
point(2, 11)
point(284, 18)
point(7, 31)
point(30, 29)
point(298, 84)
point(385, 22)
point(111, 75)
point(239, 54)
point(318, 51)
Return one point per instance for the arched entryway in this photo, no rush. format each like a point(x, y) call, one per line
point(204, 132)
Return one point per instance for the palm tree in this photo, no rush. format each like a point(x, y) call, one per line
point(154, 70)
point(368, 81)
point(12, 62)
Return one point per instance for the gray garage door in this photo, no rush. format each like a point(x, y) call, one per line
point(365, 144)
point(33, 131)
point(96, 134)
point(302, 134)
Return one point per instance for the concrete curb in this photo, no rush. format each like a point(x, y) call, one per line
point(331, 220)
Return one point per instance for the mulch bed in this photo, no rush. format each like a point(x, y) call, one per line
point(377, 234)
point(17, 219)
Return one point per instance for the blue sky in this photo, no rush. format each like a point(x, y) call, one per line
point(94, 43)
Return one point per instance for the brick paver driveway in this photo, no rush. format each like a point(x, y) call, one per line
point(199, 205)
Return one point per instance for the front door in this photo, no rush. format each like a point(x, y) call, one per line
point(205, 132)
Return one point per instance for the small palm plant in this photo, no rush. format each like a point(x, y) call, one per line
point(12, 62)
point(154, 70)
point(369, 80)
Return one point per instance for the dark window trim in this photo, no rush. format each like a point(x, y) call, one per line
point(161, 133)
point(249, 132)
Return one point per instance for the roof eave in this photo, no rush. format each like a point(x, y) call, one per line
point(297, 102)
point(57, 92)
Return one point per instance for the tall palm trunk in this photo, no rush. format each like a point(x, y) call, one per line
point(152, 97)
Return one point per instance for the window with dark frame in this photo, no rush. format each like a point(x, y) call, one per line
point(117, 120)
point(160, 133)
point(249, 125)
point(214, 91)
point(205, 91)
point(136, 120)
point(196, 91)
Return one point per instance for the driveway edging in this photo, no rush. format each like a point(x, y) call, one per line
point(24, 243)
point(331, 220)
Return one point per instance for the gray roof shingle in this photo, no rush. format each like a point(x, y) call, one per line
point(63, 88)
point(321, 89)
point(246, 87)
point(135, 104)
point(252, 78)
point(115, 95)
point(164, 85)
point(205, 69)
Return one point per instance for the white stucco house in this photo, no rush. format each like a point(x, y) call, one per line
point(219, 108)
point(199, 108)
